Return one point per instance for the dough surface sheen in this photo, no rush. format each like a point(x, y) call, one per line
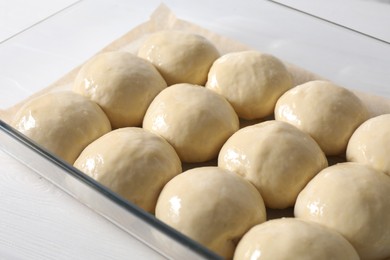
point(276, 157)
point(291, 238)
point(122, 84)
point(180, 57)
point(212, 206)
point(251, 81)
point(62, 122)
point(194, 120)
point(352, 199)
point(329, 113)
point(132, 162)
point(370, 144)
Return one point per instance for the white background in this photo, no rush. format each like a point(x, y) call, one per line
point(41, 40)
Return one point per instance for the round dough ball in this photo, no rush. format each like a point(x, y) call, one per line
point(132, 162)
point(290, 238)
point(62, 122)
point(122, 84)
point(251, 81)
point(370, 144)
point(352, 199)
point(179, 56)
point(212, 206)
point(276, 157)
point(194, 120)
point(329, 113)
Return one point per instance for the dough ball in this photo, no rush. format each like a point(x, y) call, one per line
point(132, 162)
point(179, 56)
point(352, 199)
point(276, 157)
point(194, 120)
point(329, 113)
point(290, 238)
point(212, 206)
point(370, 144)
point(62, 122)
point(251, 81)
point(122, 84)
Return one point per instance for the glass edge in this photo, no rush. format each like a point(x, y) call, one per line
point(110, 195)
point(128, 206)
point(286, 6)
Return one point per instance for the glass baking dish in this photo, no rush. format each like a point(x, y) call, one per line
point(347, 57)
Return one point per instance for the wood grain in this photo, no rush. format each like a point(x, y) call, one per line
point(56, 214)
point(71, 215)
point(164, 19)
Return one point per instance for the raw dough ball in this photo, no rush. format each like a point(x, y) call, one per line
point(251, 81)
point(194, 120)
point(290, 238)
point(329, 113)
point(132, 162)
point(276, 157)
point(179, 56)
point(370, 144)
point(62, 122)
point(212, 206)
point(122, 84)
point(352, 199)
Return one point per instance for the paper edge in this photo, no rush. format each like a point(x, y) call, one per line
point(163, 18)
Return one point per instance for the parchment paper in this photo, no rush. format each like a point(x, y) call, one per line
point(163, 19)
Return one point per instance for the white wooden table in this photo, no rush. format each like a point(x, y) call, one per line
point(41, 40)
